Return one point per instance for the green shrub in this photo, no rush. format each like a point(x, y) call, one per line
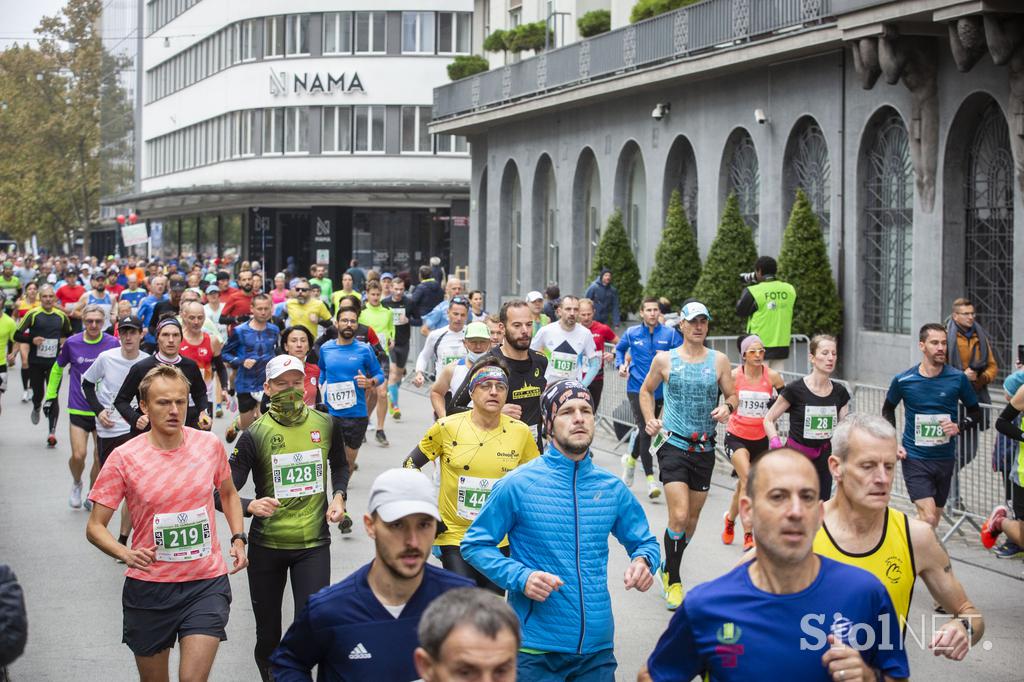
point(719, 286)
point(594, 22)
point(803, 262)
point(677, 261)
point(529, 37)
point(613, 252)
point(466, 65)
point(645, 9)
point(497, 41)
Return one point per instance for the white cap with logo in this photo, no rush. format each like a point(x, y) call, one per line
point(280, 364)
point(400, 492)
point(694, 309)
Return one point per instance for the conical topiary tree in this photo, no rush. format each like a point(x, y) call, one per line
point(614, 252)
point(677, 261)
point(803, 262)
point(719, 287)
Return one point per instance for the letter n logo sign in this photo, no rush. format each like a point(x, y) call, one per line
point(277, 83)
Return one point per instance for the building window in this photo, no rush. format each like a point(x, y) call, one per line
point(636, 201)
point(809, 169)
point(337, 129)
point(988, 201)
point(247, 40)
point(243, 139)
point(338, 33)
point(452, 144)
point(273, 131)
point(454, 32)
point(744, 179)
point(415, 136)
point(297, 40)
point(418, 32)
point(296, 130)
point(369, 135)
point(888, 228)
point(370, 32)
point(273, 36)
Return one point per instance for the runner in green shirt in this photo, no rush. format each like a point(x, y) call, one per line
point(382, 321)
point(320, 278)
point(288, 451)
point(8, 351)
point(10, 286)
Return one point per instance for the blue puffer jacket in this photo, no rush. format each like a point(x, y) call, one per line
point(557, 514)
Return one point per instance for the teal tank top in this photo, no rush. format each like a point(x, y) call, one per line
point(691, 393)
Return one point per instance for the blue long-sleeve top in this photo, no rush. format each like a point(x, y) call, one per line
point(557, 515)
point(247, 343)
point(146, 307)
point(643, 343)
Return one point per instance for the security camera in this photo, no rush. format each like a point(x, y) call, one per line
point(760, 116)
point(661, 110)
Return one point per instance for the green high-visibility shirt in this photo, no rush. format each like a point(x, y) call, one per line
point(773, 319)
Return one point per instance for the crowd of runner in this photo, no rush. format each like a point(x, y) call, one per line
point(512, 501)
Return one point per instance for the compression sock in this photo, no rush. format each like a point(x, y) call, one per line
point(24, 379)
point(675, 544)
point(393, 394)
point(650, 478)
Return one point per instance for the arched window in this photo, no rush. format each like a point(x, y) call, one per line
point(743, 178)
point(681, 174)
point(512, 225)
point(586, 221)
point(592, 215)
point(636, 202)
point(888, 228)
point(988, 201)
point(545, 218)
point(808, 168)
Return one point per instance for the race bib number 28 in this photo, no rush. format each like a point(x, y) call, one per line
point(819, 421)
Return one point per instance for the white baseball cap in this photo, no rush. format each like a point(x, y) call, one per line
point(401, 492)
point(694, 309)
point(534, 296)
point(280, 364)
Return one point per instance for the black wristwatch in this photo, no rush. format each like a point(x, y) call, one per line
point(343, 494)
point(966, 622)
point(240, 536)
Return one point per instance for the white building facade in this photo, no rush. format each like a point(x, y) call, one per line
point(301, 137)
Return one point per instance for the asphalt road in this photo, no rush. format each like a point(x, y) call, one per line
point(73, 591)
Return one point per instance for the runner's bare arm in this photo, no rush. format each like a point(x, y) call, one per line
point(97, 533)
point(780, 408)
point(934, 567)
point(232, 504)
point(440, 387)
point(655, 375)
point(727, 386)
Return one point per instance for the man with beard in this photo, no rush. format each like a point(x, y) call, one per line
point(802, 616)
point(526, 368)
point(238, 306)
point(364, 628)
point(931, 393)
point(100, 297)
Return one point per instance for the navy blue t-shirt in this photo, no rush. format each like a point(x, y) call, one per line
point(731, 630)
point(346, 631)
point(925, 401)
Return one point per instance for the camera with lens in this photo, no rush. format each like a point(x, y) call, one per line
point(748, 277)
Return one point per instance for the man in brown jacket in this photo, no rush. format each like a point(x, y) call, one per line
point(970, 350)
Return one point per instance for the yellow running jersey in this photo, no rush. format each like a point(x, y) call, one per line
point(472, 461)
point(891, 561)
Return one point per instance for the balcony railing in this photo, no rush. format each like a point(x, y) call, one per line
point(706, 26)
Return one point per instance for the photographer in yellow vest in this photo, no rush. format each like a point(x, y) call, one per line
point(768, 306)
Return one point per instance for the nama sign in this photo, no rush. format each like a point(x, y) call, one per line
point(282, 83)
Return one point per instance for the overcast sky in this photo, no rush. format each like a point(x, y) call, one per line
point(20, 18)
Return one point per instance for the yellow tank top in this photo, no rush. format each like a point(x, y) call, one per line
point(891, 561)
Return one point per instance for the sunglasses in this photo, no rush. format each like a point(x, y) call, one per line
point(301, 290)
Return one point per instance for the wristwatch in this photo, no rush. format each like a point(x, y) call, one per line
point(240, 536)
point(966, 622)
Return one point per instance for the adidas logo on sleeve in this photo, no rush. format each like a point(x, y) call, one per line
point(359, 652)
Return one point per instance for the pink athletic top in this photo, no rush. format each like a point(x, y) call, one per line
point(747, 421)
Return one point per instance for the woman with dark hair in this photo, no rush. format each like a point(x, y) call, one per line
point(298, 342)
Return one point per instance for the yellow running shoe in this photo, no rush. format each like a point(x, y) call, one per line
point(674, 596)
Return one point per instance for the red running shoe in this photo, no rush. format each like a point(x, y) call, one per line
point(730, 530)
point(989, 536)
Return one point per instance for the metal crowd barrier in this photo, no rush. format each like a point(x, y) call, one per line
point(976, 488)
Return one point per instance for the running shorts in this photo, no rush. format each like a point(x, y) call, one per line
point(157, 614)
point(928, 478)
point(681, 466)
point(353, 429)
point(85, 422)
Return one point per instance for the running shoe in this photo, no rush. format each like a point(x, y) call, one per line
point(232, 433)
point(729, 533)
point(35, 415)
point(628, 470)
point(220, 410)
point(346, 525)
point(1009, 550)
point(51, 441)
point(75, 498)
point(86, 504)
point(396, 413)
point(382, 439)
point(748, 542)
point(653, 491)
point(673, 592)
point(26, 396)
point(994, 520)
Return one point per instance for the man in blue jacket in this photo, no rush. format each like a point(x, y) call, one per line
point(643, 342)
point(605, 298)
point(557, 512)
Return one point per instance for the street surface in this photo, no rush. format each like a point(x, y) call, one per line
point(73, 591)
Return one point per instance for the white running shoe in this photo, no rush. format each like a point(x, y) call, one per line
point(26, 396)
point(628, 469)
point(653, 491)
point(75, 498)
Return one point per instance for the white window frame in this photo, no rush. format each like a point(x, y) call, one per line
point(373, 18)
point(295, 118)
point(338, 20)
point(246, 41)
point(276, 118)
point(334, 113)
point(271, 27)
point(453, 141)
point(296, 27)
point(370, 110)
point(455, 18)
point(418, 142)
point(419, 31)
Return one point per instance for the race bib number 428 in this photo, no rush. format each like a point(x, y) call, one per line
point(298, 474)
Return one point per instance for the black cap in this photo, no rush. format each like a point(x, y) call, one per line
point(129, 322)
point(178, 285)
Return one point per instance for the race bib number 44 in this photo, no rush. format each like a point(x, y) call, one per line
point(341, 395)
point(472, 494)
point(48, 348)
point(182, 536)
point(928, 430)
point(298, 474)
point(819, 421)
